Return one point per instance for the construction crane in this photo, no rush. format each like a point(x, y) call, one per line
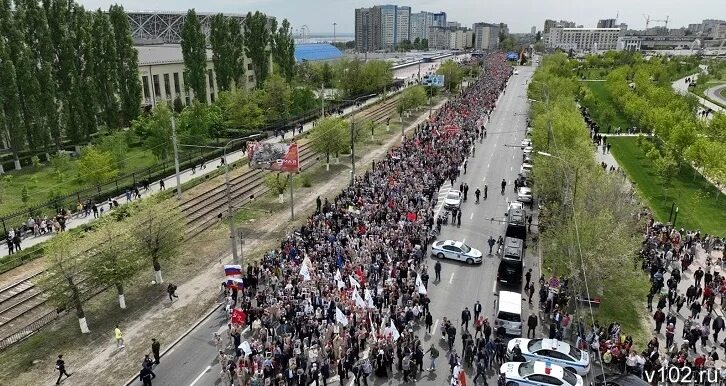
point(648, 20)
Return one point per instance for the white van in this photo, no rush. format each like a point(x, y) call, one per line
point(509, 313)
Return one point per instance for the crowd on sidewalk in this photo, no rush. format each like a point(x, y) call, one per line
point(342, 293)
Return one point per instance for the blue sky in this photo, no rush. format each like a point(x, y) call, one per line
point(319, 15)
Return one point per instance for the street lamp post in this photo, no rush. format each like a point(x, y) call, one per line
point(574, 187)
point(232, 225)
point(352, 134)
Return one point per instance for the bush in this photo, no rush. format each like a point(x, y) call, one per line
point(305, 180)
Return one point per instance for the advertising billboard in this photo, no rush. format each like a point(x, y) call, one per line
point(283, 157)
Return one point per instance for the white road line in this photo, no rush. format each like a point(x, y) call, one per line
point(472, 216)
point(494, 287)
point(451, 280)
point(463, 241)
point(511, 168)
point(487, 168)
point(200, 376)
point(436, 324)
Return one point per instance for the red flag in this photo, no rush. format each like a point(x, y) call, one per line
point(238, 316)
point(462, 378)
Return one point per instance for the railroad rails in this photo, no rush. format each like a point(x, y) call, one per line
point(24, 308)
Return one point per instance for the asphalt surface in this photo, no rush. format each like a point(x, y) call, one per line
point(681, 87)
point(193, 361)
point(715, 93)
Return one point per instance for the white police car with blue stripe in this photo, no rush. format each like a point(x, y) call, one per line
point(554, 351)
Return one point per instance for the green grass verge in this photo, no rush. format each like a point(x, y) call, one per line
point(631, 289)
point(700, 205)
point(617, 118)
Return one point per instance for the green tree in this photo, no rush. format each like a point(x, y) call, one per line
point(330, 136)
point(411, 98)
point(158, 229)
point(115, 145)
point(103, 48)
point(237, 53)
point(127, 66)
point(66, 260)
point(303, 100)
point(257, 41)
point(115, 259)
point(453, 74)
point(223, 51)
point(283, 51)
point(83, 94)
point(10, 103)
point(194, 50)
point(194, 124)
point(277, 183)
point(95, 166)
point(277, 98)
point(241, 110)
point(326, 75)
point(156, 131)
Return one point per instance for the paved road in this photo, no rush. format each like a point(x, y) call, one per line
point(715, 93)
point(681, 87)
point(192, 362)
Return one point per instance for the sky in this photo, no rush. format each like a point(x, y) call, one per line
point(520, 16)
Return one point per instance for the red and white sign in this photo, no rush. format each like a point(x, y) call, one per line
point(281, 157)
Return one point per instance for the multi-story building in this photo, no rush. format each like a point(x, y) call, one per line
point(503, 28)
point(533, 30)
point(453, 24)
point(584, 39)
point(607, 23)
point(163, 80)
point(367, 29)
point(165, 27)
point(456, 39)
point(695, 29)
point(440, 19)
point(468, 39)
point(486, 36)
point(388, 25)
point(403, 25)
point(712, 27)
point(420, 23)
point(439, 38)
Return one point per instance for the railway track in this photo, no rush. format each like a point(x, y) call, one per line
point(24, 308)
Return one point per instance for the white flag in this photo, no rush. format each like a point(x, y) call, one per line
point(305, 272)
point(340, 317)
point(369, 298)
point(245, 346)
point(358, 300)
point(420, 285)
point(394, 332)
point(339, 279)
point(354, 282)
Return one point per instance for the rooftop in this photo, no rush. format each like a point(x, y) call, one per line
point(316, 51)
point(162, 54)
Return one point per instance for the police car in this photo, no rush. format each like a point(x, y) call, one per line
point(552, 350)
point(538, 373)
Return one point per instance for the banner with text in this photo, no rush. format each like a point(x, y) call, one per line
point(282, 157)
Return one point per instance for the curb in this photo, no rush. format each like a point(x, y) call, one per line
point(184, 335)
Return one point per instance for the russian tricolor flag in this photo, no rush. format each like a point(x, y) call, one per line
point(232, 269)
point(235, 283)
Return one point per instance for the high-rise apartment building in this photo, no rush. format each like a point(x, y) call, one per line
point(440, 19)
point(403, 25)
point(486, 36)
point(607, 23)
point(533, 30)
point(367, 29)
point(586, 39)
point(439, 38)
point(420, 23)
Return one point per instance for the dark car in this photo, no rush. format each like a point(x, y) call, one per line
point(618, 380)
point(510, 272)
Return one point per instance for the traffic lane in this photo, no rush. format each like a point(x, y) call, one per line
point(195, 355)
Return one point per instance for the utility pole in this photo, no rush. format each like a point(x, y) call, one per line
point(352, 149)
point(322, 100)
point(292, 202)
point(230, 214)
point(176, 157)
point(334, 24)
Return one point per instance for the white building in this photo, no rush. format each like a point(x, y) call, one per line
point(486, 36)
point(456, 39)
point(403, 24)
point(583, 39)
point(439, 38)
point(388, 25)
point(420, 23)
point(161, 72)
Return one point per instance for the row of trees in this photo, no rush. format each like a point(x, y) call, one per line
point(64, 72)
point(581, 202)
point(643, 93)
point(258, 38)
point(122, 246)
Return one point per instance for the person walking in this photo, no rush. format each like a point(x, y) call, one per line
point(437, 270)
point(477, 310)
point(477, 194)
point(458, 218)
point(466, 192)
point(119, 337)
point(486, 189)
point(146, 375)
point(465, 317)
point(60, 365)
point(429, 322)
point(530, 293)
point(527, 278)
point(161, 187)
point(434, 353)
point(481, 368)
point(155, 349)
point(171, 290)
point(504, 185)
point(531, 325)
point(659, 318)
point(491, 243)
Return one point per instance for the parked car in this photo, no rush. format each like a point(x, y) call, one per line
point(456, 250)
point(452, 200)
point(526, 142)
point(525, 169)
point(554, 351)
point(615, 379)
point(524, 194)
point(538, 373)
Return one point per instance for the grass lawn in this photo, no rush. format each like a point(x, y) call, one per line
point(618, 118)
point(700, 205)
point(42, 184)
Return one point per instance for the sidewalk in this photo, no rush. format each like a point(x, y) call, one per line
point(170, 183)
point(687, 280)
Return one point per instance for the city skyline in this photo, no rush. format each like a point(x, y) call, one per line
point(520, 18)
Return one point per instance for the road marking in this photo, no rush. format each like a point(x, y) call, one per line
point(435, 326)
point(463, 241)
point(494, 287)
point(487, 168)
point(451, 280)
point(200, 376)
point(511, 168)
point(472, 216)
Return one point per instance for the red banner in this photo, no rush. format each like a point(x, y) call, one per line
point(238, 316)
point(282, 157)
